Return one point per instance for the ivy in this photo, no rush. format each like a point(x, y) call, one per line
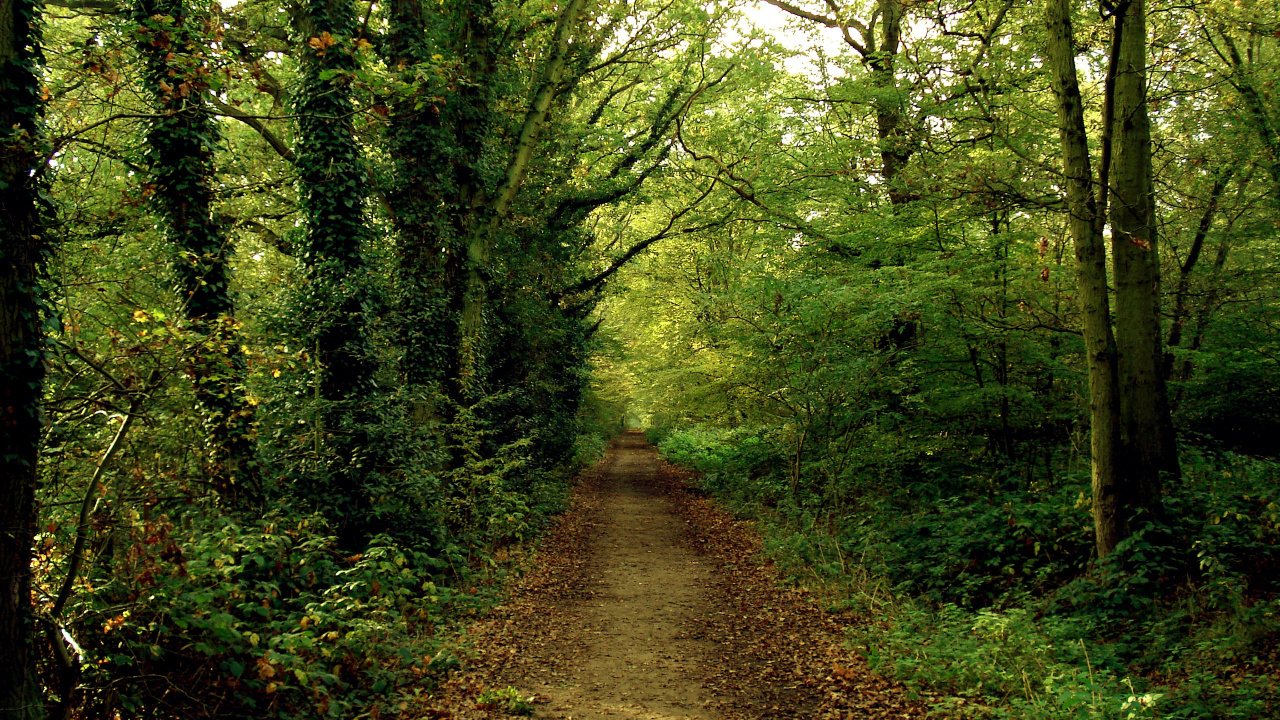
point(172, 38)
point(24, 255)
point(335, 302)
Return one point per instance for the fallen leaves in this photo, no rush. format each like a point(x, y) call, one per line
point(782, 655)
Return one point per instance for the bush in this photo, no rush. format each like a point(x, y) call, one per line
point(283, 619)
point(985, 589)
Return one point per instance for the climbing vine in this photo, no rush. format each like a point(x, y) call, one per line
point(334, 300)
point(173, 38)
point(24, 252)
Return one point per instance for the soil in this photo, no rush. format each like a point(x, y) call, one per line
point(648, 601)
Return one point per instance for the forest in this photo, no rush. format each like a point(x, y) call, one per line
point(311, 311)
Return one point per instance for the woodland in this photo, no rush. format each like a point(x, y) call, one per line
point(311, 310)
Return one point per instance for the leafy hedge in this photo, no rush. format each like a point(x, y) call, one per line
point(983, 587)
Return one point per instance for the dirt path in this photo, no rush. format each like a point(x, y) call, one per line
point(648, 602)
point(635, 657)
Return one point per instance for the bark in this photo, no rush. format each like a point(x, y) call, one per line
point(335, 301)
point(23, 250)
point(437, 214)
point(332, 185)
point(1091, 275)
point(880, 55)
point(1148, 448)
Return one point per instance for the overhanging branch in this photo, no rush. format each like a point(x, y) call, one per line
point(639, 247)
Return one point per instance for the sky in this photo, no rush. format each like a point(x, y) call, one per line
point(795, 34)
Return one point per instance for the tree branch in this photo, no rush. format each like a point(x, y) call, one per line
point(637, 248)
point(537, 113)
point(275, 142)
point(90, 502)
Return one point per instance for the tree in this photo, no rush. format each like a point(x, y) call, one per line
point(1131, 427)
point(878, 43)
point(1085, 221)
point(24, 248)
point(1146, 430)
point(336, 301)
point(181, 144)
point(436, 139)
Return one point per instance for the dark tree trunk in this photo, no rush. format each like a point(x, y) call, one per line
point(896, 143)
point(434, 211)
point(1146, 428)
point(23, 251)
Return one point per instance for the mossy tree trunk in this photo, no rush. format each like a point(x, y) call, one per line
point(23, 252)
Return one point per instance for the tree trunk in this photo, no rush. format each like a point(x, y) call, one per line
point(1256, 106)
point(335, 302)
point(1091, 274)
point(181, 144)
point(480, 244)
point(1146, 427)
point(332, 185)
point(895, 143)
point(23, 251)
point(420, 143)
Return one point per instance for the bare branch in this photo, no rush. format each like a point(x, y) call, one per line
point(90, 501)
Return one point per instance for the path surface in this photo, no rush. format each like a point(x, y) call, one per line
point(635, 658)
point(648, 602)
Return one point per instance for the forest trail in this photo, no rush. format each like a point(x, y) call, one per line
point(648, 602)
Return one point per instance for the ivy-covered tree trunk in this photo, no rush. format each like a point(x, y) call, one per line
point(434, 177)
point(1146, 429)
point(1091, 275)
point(172, 41)
point(23, 251)
point(480, 243)
point(336, 303)
point(447, 221)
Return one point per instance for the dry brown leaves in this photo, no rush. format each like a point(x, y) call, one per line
point(782, 654)
point(513, 641)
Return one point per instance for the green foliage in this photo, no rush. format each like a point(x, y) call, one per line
point(1007, 664)
point(507, 699)
point(985, 595)
point(880, 361)
point(288, 622)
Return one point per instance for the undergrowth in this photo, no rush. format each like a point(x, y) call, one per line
point(199, 615)
point(979, 590)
